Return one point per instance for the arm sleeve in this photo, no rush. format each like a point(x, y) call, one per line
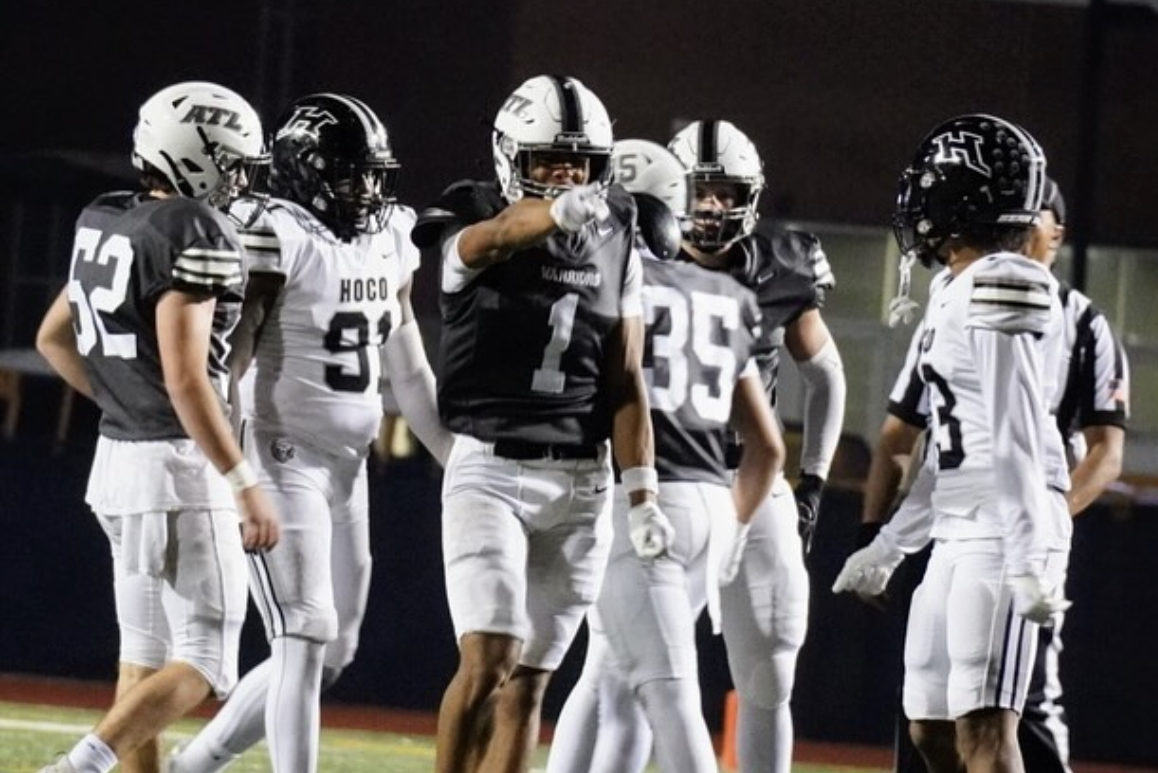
point(413, 385)
point(824, 394)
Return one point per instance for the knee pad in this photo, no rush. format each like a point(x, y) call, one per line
point(340, 650)
point(301, 621)
point(769, 682)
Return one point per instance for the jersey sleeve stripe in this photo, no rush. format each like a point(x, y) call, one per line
point(210, 268)
point(259, 240)
point(1024, 295)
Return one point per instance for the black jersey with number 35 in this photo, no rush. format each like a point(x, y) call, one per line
point(128, 251)
point(790, 274)
point(702, 329)
point(524, 344)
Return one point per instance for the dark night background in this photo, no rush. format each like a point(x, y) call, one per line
point(835, 95)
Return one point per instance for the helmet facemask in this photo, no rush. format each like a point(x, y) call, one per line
point(356, 198)
point(577, 154)
point(712, 230)
point(242, 191)
point(720, 157)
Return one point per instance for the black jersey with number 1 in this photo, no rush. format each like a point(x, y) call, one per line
point(524, 344)
point(130, 250)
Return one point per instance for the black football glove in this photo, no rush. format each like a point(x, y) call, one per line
point(808, 492)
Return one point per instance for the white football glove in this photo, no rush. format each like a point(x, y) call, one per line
point(579, 205)
point(650, 531)
point(867, 571)
point(1037, 600)
point(731, 564)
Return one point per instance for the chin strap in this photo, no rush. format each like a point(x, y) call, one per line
point(902, 308)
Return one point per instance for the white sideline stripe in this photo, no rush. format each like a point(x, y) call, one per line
point(43, 727)
point(61, 727)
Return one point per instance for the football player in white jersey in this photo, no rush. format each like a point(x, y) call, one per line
point(989, 351)
point(539, 368)
point(154, 291)
point(330, 268)
point(702, 332)
point(1092, 413)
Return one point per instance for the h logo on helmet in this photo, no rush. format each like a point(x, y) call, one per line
point(307, 119)
point(962, 148)
point(208, 115)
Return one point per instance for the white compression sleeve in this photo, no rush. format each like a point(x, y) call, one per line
point(413, 383)
point(824, 393)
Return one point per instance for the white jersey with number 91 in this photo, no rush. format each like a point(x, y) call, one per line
point(316, 369)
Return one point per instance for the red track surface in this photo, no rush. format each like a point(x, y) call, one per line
point(48, 691)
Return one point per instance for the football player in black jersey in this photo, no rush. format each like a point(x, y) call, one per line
point(539, 367)
point(154, 291)
point(765, 611)
point(702, 332)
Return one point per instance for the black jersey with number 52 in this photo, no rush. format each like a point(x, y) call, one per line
point(128, 251)
point(524, 344)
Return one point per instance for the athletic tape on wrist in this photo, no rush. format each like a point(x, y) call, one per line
point(242, 476)
point(640, 478)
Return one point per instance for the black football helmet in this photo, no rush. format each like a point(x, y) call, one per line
point(972, 170)
point(331, 154)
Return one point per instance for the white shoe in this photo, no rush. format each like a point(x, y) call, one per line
point(62, 765)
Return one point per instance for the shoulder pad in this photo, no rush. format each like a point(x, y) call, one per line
point(464, 203)
point(403, 217)
point(657, 226)
point(184, 221)
point(621, 203)
point(802, 252)
point(1011, 294)
point(114, 200)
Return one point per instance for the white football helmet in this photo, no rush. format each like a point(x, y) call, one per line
point(549, 114)
point(201, 137)
point(643, 166)
point(718, 152)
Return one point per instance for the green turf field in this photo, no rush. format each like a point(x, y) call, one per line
point(31, 736)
